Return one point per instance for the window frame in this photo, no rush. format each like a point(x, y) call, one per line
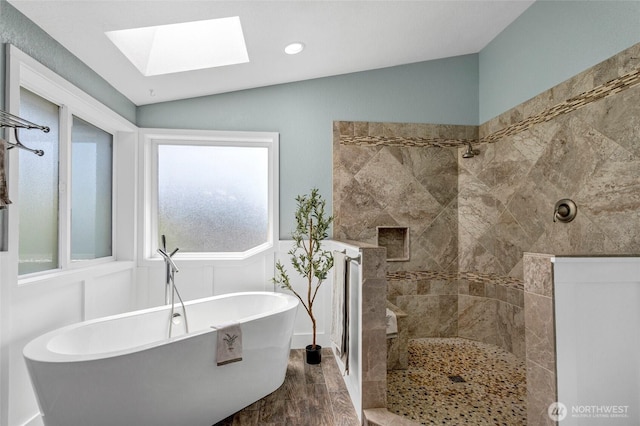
point(152, 138)
point(80, 262)
point(25, 72)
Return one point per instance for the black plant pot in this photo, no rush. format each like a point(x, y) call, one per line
point(314, 356)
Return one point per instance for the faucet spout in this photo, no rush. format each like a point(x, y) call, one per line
point(168, 259)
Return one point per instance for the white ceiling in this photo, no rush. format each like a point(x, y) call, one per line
point(340, 37)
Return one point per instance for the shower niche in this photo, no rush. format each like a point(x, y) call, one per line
point(396, 240)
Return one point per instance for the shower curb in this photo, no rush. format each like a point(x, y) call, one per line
point(383, 417)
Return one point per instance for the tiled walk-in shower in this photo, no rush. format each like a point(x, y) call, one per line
point(457, 381)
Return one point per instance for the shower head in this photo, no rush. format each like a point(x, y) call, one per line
point(470, 152)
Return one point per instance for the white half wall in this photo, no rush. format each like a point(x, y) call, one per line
point(597, 310)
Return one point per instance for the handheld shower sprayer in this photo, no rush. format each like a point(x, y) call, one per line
point(170, 287)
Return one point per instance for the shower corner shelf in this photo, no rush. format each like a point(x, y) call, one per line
point(396, 240)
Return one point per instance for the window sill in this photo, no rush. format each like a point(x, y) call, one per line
point(61, 277)
point(205, 259)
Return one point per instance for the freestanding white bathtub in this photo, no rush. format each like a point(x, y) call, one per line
point(124, 371)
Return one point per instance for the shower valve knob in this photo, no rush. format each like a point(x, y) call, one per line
point(565, 210)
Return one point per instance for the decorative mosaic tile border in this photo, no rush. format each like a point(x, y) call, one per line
point(404, 141)
point(601, 91)
point(473, 277)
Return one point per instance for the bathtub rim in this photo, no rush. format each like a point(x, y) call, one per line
point(37, 350)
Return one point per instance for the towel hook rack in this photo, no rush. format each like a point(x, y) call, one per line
point(15, 122)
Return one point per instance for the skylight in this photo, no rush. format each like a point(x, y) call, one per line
point(166, 49)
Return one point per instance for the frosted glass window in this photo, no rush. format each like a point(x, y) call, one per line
point(38, 187)
point(213, 198)
point(91, 191)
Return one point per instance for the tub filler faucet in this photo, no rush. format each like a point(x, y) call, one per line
point(170, 289)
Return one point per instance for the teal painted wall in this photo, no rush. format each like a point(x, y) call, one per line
point(21, 32)
point(443, 91)
point(549, 43)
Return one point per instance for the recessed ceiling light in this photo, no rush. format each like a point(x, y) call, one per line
point(166, 49)
point(294, 48)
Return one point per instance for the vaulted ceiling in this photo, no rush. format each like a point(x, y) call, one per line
point(339, 36)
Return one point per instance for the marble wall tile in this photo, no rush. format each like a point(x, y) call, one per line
point(438, 242)
point(463, 286)
point(516, 271)
point(473, 256)
point(531, 142)
point(423, 286)
point(393, 354)
point(444, 286)
point(477, 318)
point(376, 129)
point(404, 287)
point(509, 241)
point(580, 83)
point(436, 169)
point(432, 301)
point(398, 185)
point(599, 146)
point(530, 207)
point(448, 316)
point(397, 190)
point(375, 356)
point(509, 168)
point(373, 333)
point(477, 289)
point(538, 104)
point(423, 315)
point(515, 297)
point(397, 347)
point(629, 60)
point(476, 204)
point(374, 394)
point(538, 274)
point(587, 154)
point(510, 329)
point(353, 158)
point(361, 128)
point(358, 214)
point(612, 200)
point(374, 265)
point(344, 127)
point(374, 303)
point(617, 118)
point(430, 315)
point(541, 392)
point(491, 290)
point(571, 157)
point(501, 293)
point(605, 71)
point(540, 337)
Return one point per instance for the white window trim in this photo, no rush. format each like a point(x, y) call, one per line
point(24, 71)
point(151, 138)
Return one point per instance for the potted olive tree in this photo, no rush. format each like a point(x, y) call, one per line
point(308, 258)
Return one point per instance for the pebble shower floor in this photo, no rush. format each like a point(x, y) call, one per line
point(453, 381)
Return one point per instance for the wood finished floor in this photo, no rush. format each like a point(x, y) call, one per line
point(311, 395)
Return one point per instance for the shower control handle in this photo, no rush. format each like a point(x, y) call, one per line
point(565, 210)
